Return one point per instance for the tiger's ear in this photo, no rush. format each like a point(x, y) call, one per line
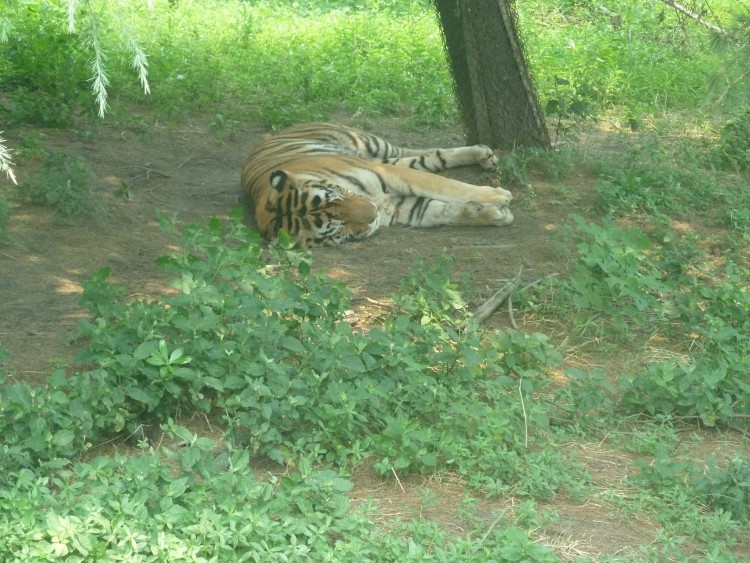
point(279, 179)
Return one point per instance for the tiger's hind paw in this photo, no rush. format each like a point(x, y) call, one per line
point(501, 196)
point(504, 216)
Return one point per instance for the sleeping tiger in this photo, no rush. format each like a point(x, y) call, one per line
point(327, 184)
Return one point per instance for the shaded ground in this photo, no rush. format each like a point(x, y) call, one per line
point(193, 172)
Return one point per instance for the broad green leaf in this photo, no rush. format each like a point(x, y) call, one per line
point(63, 438)
point(141, 395)
point(145, 349)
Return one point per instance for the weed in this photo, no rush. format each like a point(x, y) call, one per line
point(64, 184)
point(726, 490)
point(613, 266)
point(654, 180)
point(570, 106)
point(733, 147)
point(714, 385)
point(653, 436)
point(586, 400)
point(244, 342)
point(41, 69)
point(645, 179)
point(555, 165)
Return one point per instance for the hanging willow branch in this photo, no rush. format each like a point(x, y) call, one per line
point(92, 38)
point(6, 164)
point(72, 5)
point(99, 80)
point(139, 63)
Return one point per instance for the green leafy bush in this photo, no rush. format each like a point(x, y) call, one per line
point(651, 179)
point(65, 184)
point(727, 489)
point(266, 349)
point(613, 277)
point(259, 344)
point(569, 106)
point(40, 425)
point(733, 147)
point(42, 72)
point(199, 504)
point(714, 385)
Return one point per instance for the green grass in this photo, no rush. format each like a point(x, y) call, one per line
point(650, 63)
point(279, 63)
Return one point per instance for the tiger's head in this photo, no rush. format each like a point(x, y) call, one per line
point(317, 212)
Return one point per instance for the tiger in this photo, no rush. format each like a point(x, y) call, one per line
point(327, 184)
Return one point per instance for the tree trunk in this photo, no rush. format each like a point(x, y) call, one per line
point(493, 85)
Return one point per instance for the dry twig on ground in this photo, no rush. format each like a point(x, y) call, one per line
point(485, 310)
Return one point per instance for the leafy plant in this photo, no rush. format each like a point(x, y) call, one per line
point(726, 490)
point(733, 147)
point(41, 70)
point(570, 105)
point(714, 385)
point(242, 343)
point(202, 504)
point(648, 179)
point(613, 266)
point(244, 340)
point(587, 399)
point(40, 426)
point(46, 45)
point(64, 183)
point(515, 166)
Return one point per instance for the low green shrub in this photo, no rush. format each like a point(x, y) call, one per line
point(266, 350)
point(199, 504)
point(714, 384)
point(732, 149)
point(65, 184)
point(648, 178)
point(259, 344)
point(612, 265)
point(724, 490)
point(624, 284)
point(43, 77)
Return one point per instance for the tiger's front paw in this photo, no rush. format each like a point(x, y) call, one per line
point(486, 157)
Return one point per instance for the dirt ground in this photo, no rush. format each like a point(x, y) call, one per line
point(193, 171)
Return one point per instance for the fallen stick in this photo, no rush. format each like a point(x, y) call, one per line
point(485, 310)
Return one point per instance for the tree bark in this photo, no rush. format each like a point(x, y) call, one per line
point(494, 89)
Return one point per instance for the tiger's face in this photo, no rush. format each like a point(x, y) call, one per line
point(318, 212)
